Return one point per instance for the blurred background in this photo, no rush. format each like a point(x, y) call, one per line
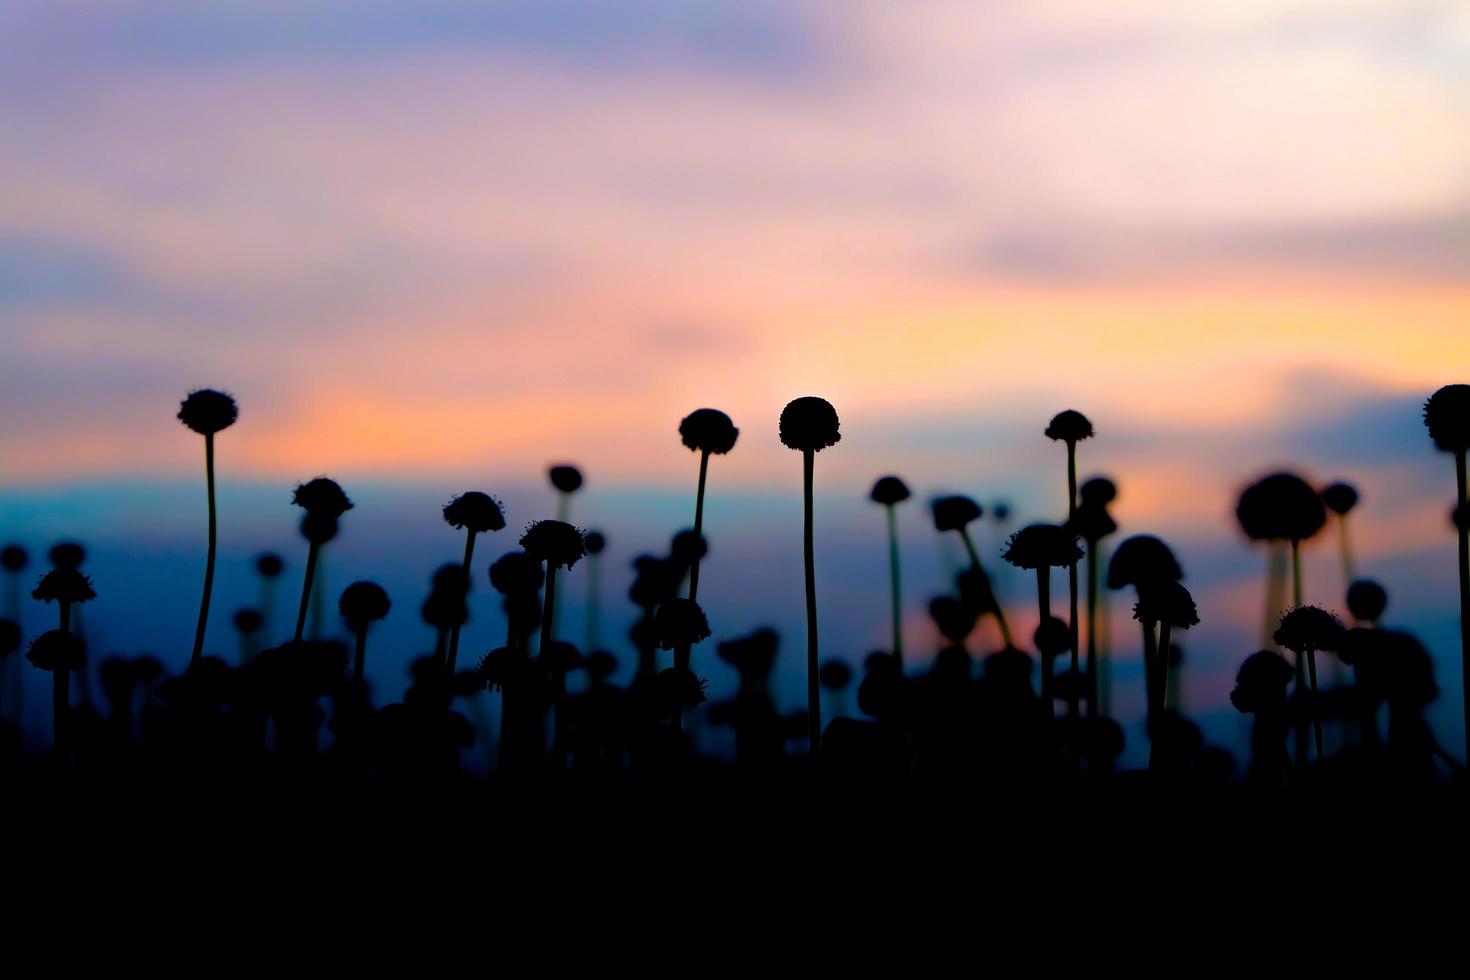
point(438, 246)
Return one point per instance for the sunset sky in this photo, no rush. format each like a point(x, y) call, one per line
point(445, 243)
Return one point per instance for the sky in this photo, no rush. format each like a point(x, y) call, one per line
point(439, 245)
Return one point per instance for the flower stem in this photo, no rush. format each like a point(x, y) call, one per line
point(361, 655)
point(698, 525)
point(1275, 587)
point(1072, 568)
point(1296, 572)
point(1043, 606)
point(311, 553)
point(1464, 530)
point(1316, 715)
point(558, 676)
point(813, 693)
point(209, 560)
point(1092, 678)
point(1349, 574)
point(1000, 616)
point(895, 587)
point(469, 553)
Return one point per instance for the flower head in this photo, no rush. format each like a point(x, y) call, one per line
point(516, 572)
point(269, 564)
point(565, 478)
point(1053, 637)
point(1141, 559)
point(1098, 491)
point(1093, 522)
point(954, 512)
point(559, 656)
point(1447, 417)
point(889, 490)
point(57, 650)
point(686, 547)
point(1070, 427)
point(1366, 600)
point(247, 621)
point(1309, 628)
point(1166, 601)
point(1339, 498)
point(557, 543)
point(504, 667)
point(14, 558)
point(67, 554)
point(1261, 683)
point(474, 511)
point(680, 623)
point(64, 585)
point(595, 541)
point(1042, 546)
point(318, 528)
point(751, 655)
point(954, 617)
point(1280, 507)
point(834, 675)
point(363, 602)
point(207, 411)
point(676, 688)
point(708, 430)
point(322, 496)
point(810, 424)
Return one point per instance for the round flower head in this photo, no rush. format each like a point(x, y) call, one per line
point(1098, 491)
point(318, 528)
point(64, 585)
point(1339, 498)
point(557, 543)
point(685, 547)
point(1281, 507)
point(1447, 417)
point(57, 650)
point(680, 622)
point(1141, 559)
point(1042, 545)
point(1261, 683)
point(516, 572)
point(1309, 628)
point(1366, 600)
point(322, 496)
point(708, 430)
point(1093, 522)
point(474, 511)
point(444, 609)
point(834, 675)
point(954, 617)
point(675, 688)
point(566, 479)
point(362, 603)
point(9, 636)
point(67, 554)
point(753, 655)
point(1001, 511)
point(809, 424)
point(269, 564)
point(889, 490)
point(595, 542)
point(207, 411)
point(450, 579)
point(247, 621)
point(1053, 637)
point(504, 667)
point(954, 512)
point(1166, 601)
point(1069, 426)
point(14, 558)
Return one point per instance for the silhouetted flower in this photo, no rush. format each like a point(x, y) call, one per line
point(1309, 628)
point(321, 496)
point(1366, 600)
point(559, 657)
point(516, 572)
point(677, 688)
point(14, 558)
point(67, 554)
point(1041, 546)
point(1069, 426)
point(269, 564)
point(565, 478)
point(954, 513)
point(318, 528)
point(1447, 417)
point(1261, 683)
point(1001, 511)
point(595, 542)
point(680, 622)
point(1098, 491)
point(1142, 558)
point(504, 667)
point(1166, 601)
point(474, 511)
point(362, 603)
point(207, 411)
point(1339, 498)
point(708, 430)
point(1280, 507)
point(1093, 522)
point(57, 650)
point(809, 424)
point(247, 621)
point(889, 490)
point(65, 585)
point(954, 617)
point(834, 675)
point(557, 543)
point(1053, 637)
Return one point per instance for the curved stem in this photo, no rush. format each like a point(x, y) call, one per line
point(813, 694)
point(311, 553)
point(469, 553)
point(209, 560)
point(1000, 616)
point(698, 525)
point(894, 586)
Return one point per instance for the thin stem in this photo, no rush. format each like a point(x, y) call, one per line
point(1072, 566)
point(1043, 605)
point(311, 552)
point(594, 589)
point(894, 586)
point(698, 525)
point(559, 677)
point(209, 560)
point(1349, 574)
point(1316, 715)
point(361, 655)
point(60, 709)
point(1296, 572)
point(1000, 616)
point(469, 553)
point(813, 693)
point(1150, 670)
point(1092, 678)
point(1162, 658)
point(1275, 587)
point(1464, 529)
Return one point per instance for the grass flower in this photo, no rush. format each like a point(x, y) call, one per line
point(324, 502)
point(956, 513)
point(1447, 417)
point(207, 412)
point(474, 513)
point(889, 492)
point(361, 605)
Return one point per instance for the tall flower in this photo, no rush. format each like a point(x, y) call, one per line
point(1305, 630)
point(566, 480)
point(1092, 523)
point(1340, 498)
point(1143, 561)
point(556, 544)
point(1282, 507)
point(361, 605)
point(474, 513)
point(324, 502)
point(1447, 417)
point(1040, 548)
point(1166, 604)
point(956, 513)
point(1071, 427)
point(890, 491)
point(809, 425)
point(207, 412)
point(59, 653)
point(706, 431)
point(596, 541)
point(247, 624)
